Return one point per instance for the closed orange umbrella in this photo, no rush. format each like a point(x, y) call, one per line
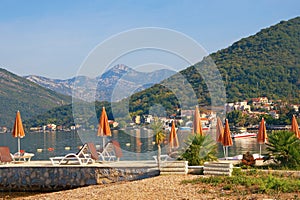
point(227, 140)
point(173, 139)
point(262, 134)
point(138, 142)
point(197, 126)
point(103, 129)
point(220, 133)
point(219, 130)
point(295, 127)
point(18, 130)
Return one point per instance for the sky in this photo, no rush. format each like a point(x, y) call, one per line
point(54, 38)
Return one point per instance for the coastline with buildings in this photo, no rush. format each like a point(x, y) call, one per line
point(254, 109)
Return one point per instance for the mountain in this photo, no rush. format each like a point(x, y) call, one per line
point(17, 93)
point(265, 64)
point(60, 86)
point(121, 81)
point(119, 77)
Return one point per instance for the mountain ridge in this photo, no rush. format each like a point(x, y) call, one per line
point(119, 75)
point(264, 64)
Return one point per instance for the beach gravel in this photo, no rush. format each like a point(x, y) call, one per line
point(160, 187)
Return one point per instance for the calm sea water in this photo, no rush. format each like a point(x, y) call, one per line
point(137, 144)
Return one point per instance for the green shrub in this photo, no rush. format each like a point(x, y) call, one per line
point(227, 187)
point(284, 146)
point(200, 149)
point(237, 171)
point(253, 180)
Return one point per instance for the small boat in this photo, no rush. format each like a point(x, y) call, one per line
point(205, 127)
point(243, 135)
point(185, 128)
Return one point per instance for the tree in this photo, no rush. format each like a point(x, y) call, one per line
point(201, 148)
point(285, 147)
point(236, 118)
point(157, 127)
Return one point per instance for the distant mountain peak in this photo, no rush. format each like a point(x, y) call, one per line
point(121, 67)
point(117, 76)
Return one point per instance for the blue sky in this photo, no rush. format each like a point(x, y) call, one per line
point(52, 38)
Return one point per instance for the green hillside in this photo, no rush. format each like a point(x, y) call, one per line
point(17, 93)
point(266, 64)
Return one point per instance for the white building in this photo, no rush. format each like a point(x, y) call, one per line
point(274, 114)
point(242, 106)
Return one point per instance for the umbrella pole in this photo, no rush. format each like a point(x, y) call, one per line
point(259, 150)
point(19, 145)
point(224, 151)
point(227, 152)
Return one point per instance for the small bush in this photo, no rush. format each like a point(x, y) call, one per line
point(254, 180)
point(284, 147)
point(227, 187)
point(200, 149)
point(237, 171)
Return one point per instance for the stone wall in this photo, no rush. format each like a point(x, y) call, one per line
point(59, 178)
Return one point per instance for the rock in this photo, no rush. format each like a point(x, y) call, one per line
point(248, 159)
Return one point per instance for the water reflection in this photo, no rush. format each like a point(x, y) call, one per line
point(243, 145)
point(137, 144)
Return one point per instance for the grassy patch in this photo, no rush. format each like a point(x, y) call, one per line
point(254, 181)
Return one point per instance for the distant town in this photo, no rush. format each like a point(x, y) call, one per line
point(250, 112)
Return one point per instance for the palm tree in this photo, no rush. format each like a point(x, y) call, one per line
point(157, 128)
point(284, 146)
point(201, 148)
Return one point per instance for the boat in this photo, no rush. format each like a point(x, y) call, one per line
point(185, 128)
point(188, 128)
point(205, 127)
point(243, 135)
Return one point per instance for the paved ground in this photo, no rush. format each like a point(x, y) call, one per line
point(145, 163)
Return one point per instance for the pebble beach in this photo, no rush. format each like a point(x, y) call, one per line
point(159, 187)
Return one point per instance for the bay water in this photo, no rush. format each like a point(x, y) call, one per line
point(136, 144)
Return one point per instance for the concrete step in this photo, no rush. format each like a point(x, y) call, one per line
point(216, 173)
point(177, 173)
point(174, 167)
point(217, 164)
point(217, 168)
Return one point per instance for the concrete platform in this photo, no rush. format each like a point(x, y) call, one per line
point(46, 163)
point(43, 176)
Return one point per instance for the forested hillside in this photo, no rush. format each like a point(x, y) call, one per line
point(17, 93)
point(265, 64)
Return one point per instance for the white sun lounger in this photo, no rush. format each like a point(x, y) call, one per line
point(111, 151)
point(163, 158)
point(80, 157)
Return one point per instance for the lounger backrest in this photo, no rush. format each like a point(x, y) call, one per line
point(117, 148)
point(82, 150)
point(109, 147)
point(5, 155)
point(93, 151)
